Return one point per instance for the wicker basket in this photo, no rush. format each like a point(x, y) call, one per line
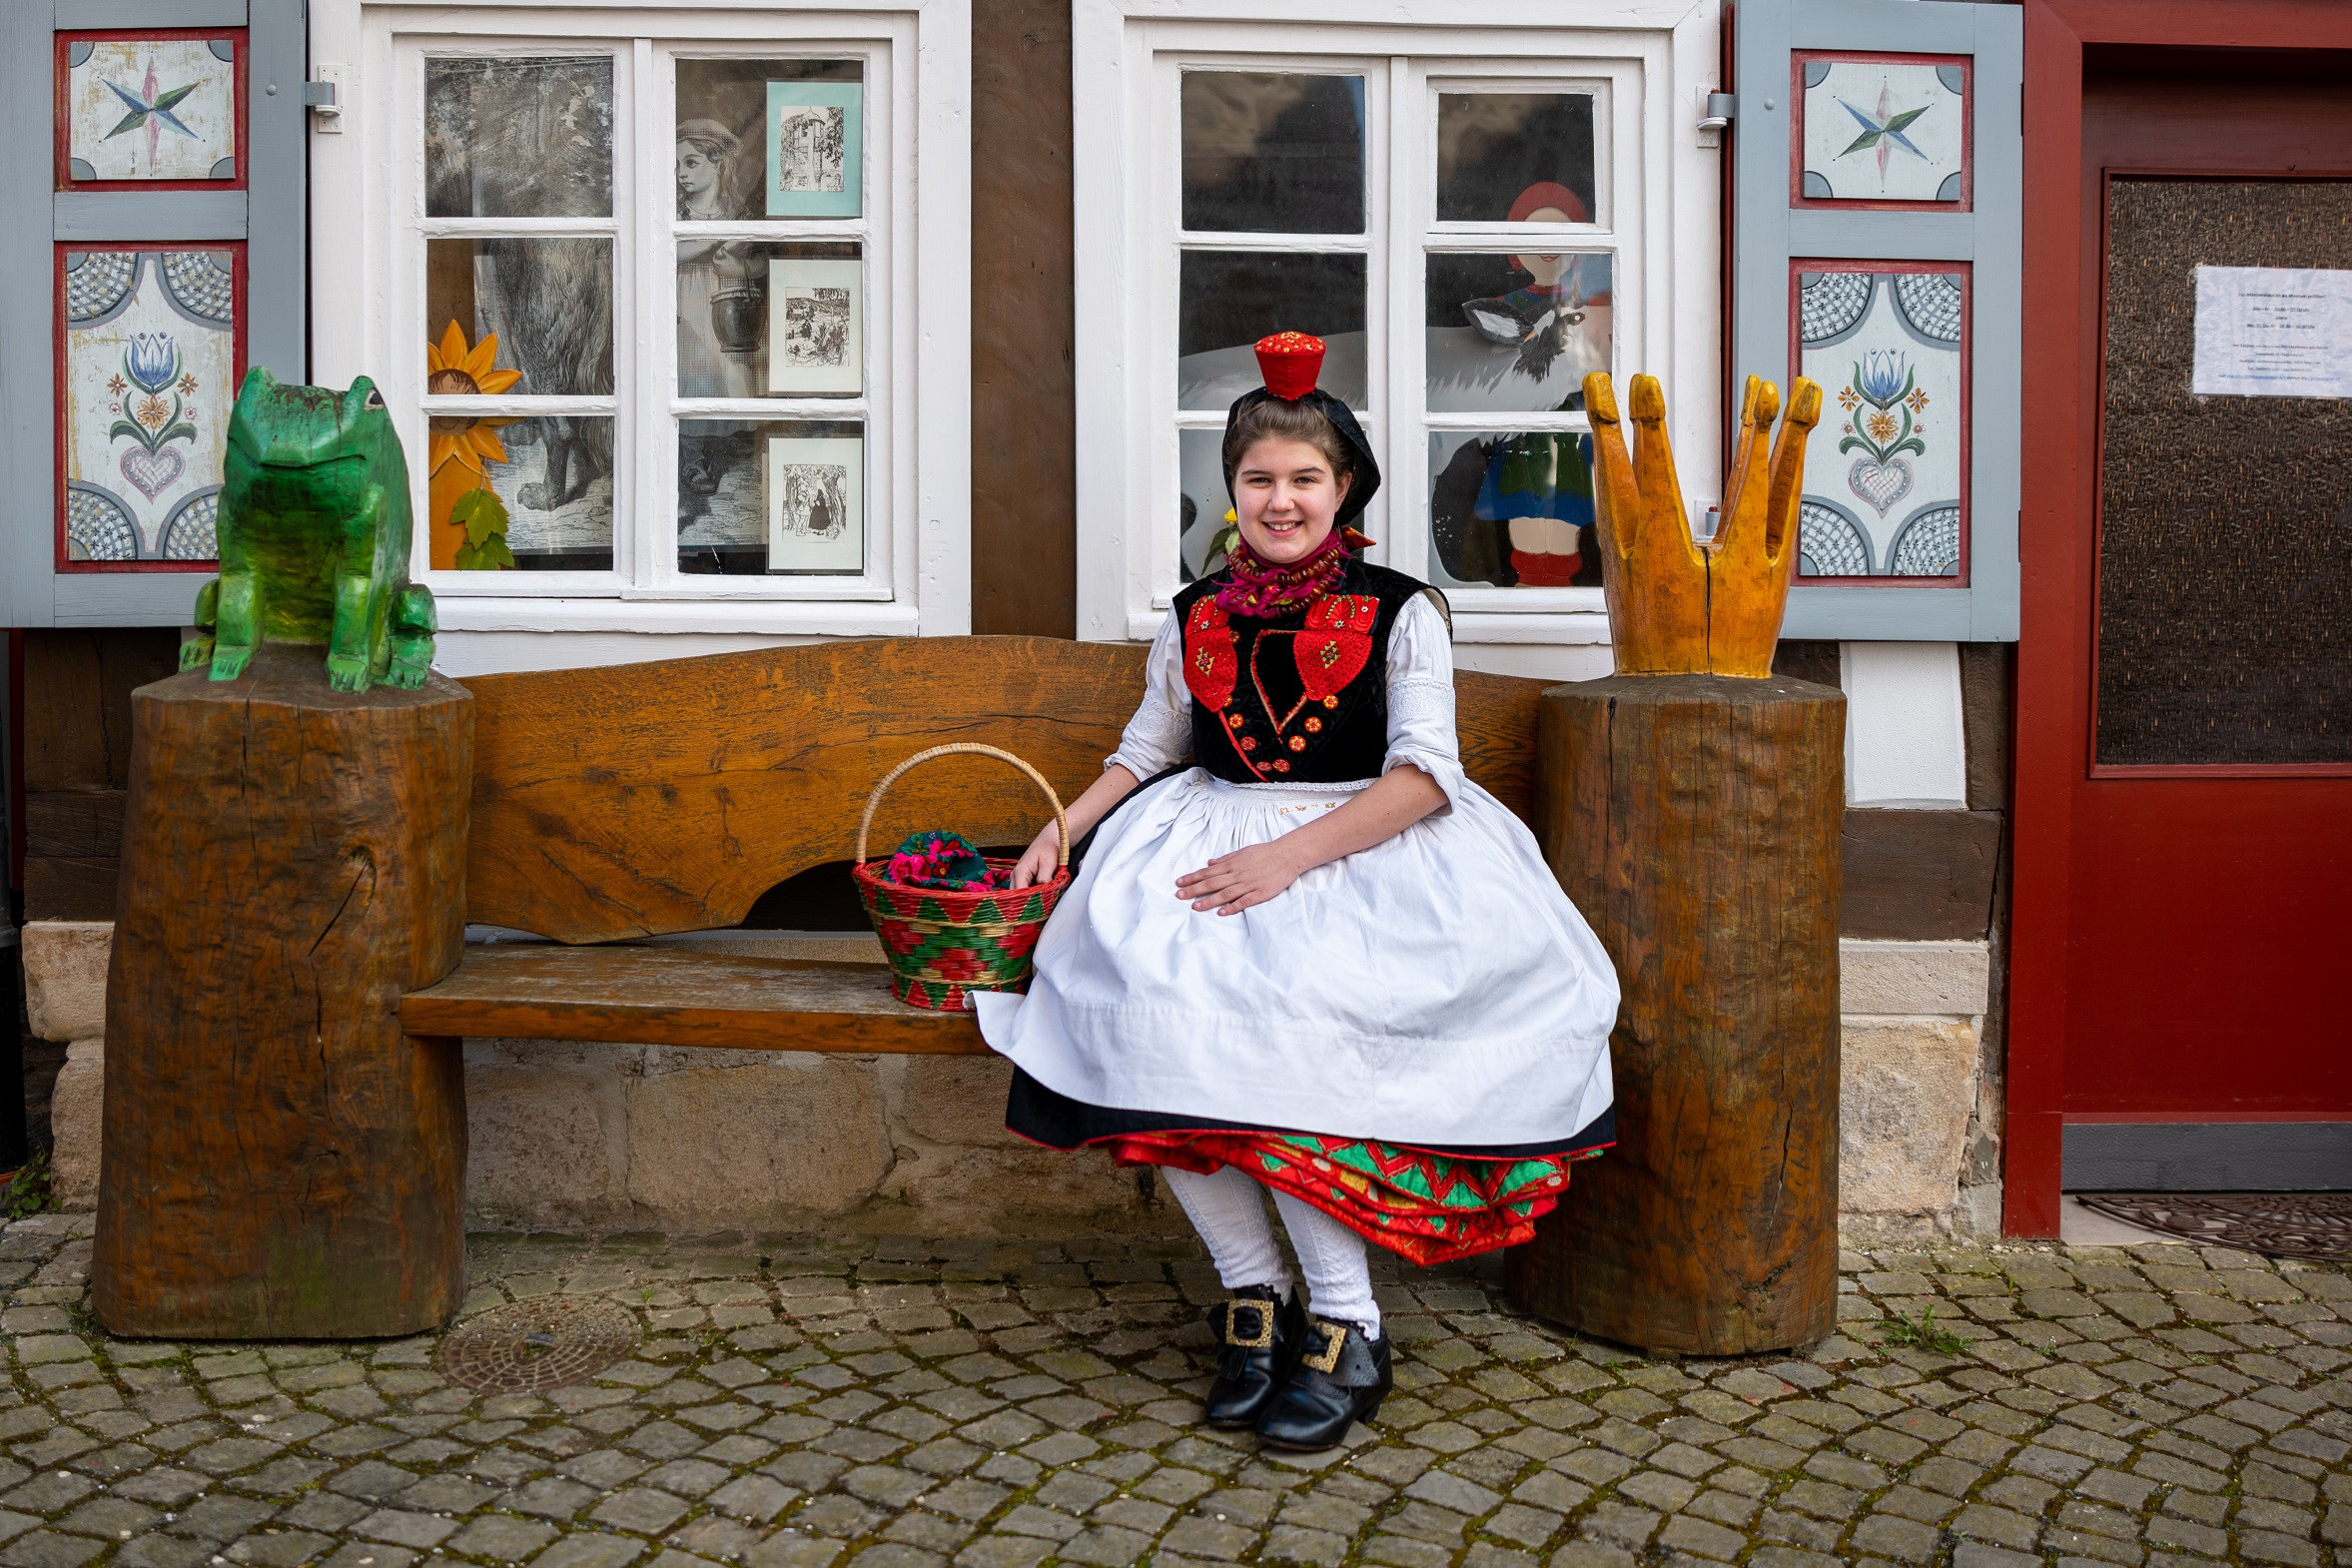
point(943, 944)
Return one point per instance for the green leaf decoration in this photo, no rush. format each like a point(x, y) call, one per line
point(498, 554)
point(480, 513)
point(1907, 117)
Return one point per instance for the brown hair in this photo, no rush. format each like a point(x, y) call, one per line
point(1273, 420)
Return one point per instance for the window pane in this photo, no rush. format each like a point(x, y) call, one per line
point(729, 119)
point(782, 497)
point(1200, 518)
point(1273, 154)
point(1228, 299)
point(1515, 158)
point(552, 478)
point(518, 138)
point(1516, 333)
point(549, 303)
point(1512, 509)
point(770, 318)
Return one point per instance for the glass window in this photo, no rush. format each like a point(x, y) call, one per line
point(1228, 299)
point(1501, 223)
point(1273, 178)
point(548, 275)
point(518, 138)
point(1515, 333)
point(518, 326)
point(1269, 153)
point(1515, 158)
point(769, 313)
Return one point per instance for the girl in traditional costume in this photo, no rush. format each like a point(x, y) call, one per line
point(1316, 958)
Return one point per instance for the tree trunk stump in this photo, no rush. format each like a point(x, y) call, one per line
point(279, 1159)
point(1694, 820)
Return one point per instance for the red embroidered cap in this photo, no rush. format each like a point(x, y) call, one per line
point(1291, 363)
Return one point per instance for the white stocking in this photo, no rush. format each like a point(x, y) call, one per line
point(1339, 1280)
point(1229, 1209)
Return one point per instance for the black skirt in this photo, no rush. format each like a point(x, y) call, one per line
point(1040, 1115)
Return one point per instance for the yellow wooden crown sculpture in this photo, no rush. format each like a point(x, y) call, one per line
point(1677, 605)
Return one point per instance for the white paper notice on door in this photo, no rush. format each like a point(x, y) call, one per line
point(2274, 332)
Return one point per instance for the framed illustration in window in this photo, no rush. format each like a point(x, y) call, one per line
point(816, 148)
point(816, 504)
point(816, 344)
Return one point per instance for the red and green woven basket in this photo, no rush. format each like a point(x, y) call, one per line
point(944, 944)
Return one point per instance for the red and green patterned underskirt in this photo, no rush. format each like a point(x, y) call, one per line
point(1427, 1208)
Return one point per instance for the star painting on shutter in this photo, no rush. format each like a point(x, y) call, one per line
point(141, 108)
point(1882, 131)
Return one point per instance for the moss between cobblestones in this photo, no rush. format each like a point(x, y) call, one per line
point(812, 1402)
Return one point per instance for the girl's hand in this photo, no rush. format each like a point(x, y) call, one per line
point(1242, 880)
point(1040, 860)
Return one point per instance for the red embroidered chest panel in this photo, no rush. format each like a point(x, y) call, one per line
point(1271, 717)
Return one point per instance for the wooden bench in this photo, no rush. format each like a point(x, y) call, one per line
point(612, 805)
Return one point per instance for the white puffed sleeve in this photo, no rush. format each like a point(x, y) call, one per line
point(1421, 698)
point(1160, 734)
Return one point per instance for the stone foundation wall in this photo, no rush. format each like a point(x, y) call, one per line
point(569, 1135)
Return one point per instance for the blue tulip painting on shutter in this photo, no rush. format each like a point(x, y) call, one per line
point(1884, 477)
point(150, 370)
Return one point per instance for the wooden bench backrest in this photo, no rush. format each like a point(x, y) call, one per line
point(639, 799)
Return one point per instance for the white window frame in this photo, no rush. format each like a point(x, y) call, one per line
point(1659, 184)
point(367, 234)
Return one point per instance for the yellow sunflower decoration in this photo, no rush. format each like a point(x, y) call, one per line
point(461, 493)
point(453, 371)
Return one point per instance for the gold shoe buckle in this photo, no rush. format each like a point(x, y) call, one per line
point(1326, 1360)
point(1264, 1339)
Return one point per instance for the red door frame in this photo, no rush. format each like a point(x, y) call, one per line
point(2061, 366)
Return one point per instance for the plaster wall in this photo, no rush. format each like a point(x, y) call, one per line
point(611, 1136)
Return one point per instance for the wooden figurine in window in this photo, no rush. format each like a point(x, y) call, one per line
point(314, 531)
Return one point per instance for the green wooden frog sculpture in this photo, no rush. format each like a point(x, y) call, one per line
point(314, 531)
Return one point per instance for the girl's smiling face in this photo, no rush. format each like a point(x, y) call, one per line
point(1285, 497)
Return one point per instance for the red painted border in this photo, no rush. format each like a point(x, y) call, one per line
point(2058, 441)
point(1796, 195)
point(1798, 266)
point(237, 284)
point(242, 108)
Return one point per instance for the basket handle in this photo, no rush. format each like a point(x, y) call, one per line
point(874, 801)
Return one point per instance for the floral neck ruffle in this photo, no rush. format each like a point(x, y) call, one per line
point(1259, 588)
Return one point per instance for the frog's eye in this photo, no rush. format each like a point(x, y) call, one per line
point(374, 399)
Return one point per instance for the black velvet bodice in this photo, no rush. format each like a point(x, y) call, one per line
point(1298, 697)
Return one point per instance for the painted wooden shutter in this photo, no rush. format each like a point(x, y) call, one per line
point(1876, 247)
point(166, 139)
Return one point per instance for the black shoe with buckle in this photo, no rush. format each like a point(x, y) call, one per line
point(1256, 1336)
point(1341, 1379)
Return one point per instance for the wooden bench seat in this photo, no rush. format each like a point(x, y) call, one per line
point(615, 804)
point(678, 996)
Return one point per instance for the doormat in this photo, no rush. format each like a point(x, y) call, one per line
point(552, 1343)
point(2276, 1224)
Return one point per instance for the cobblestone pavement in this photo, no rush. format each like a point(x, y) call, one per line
point(799, 1403)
